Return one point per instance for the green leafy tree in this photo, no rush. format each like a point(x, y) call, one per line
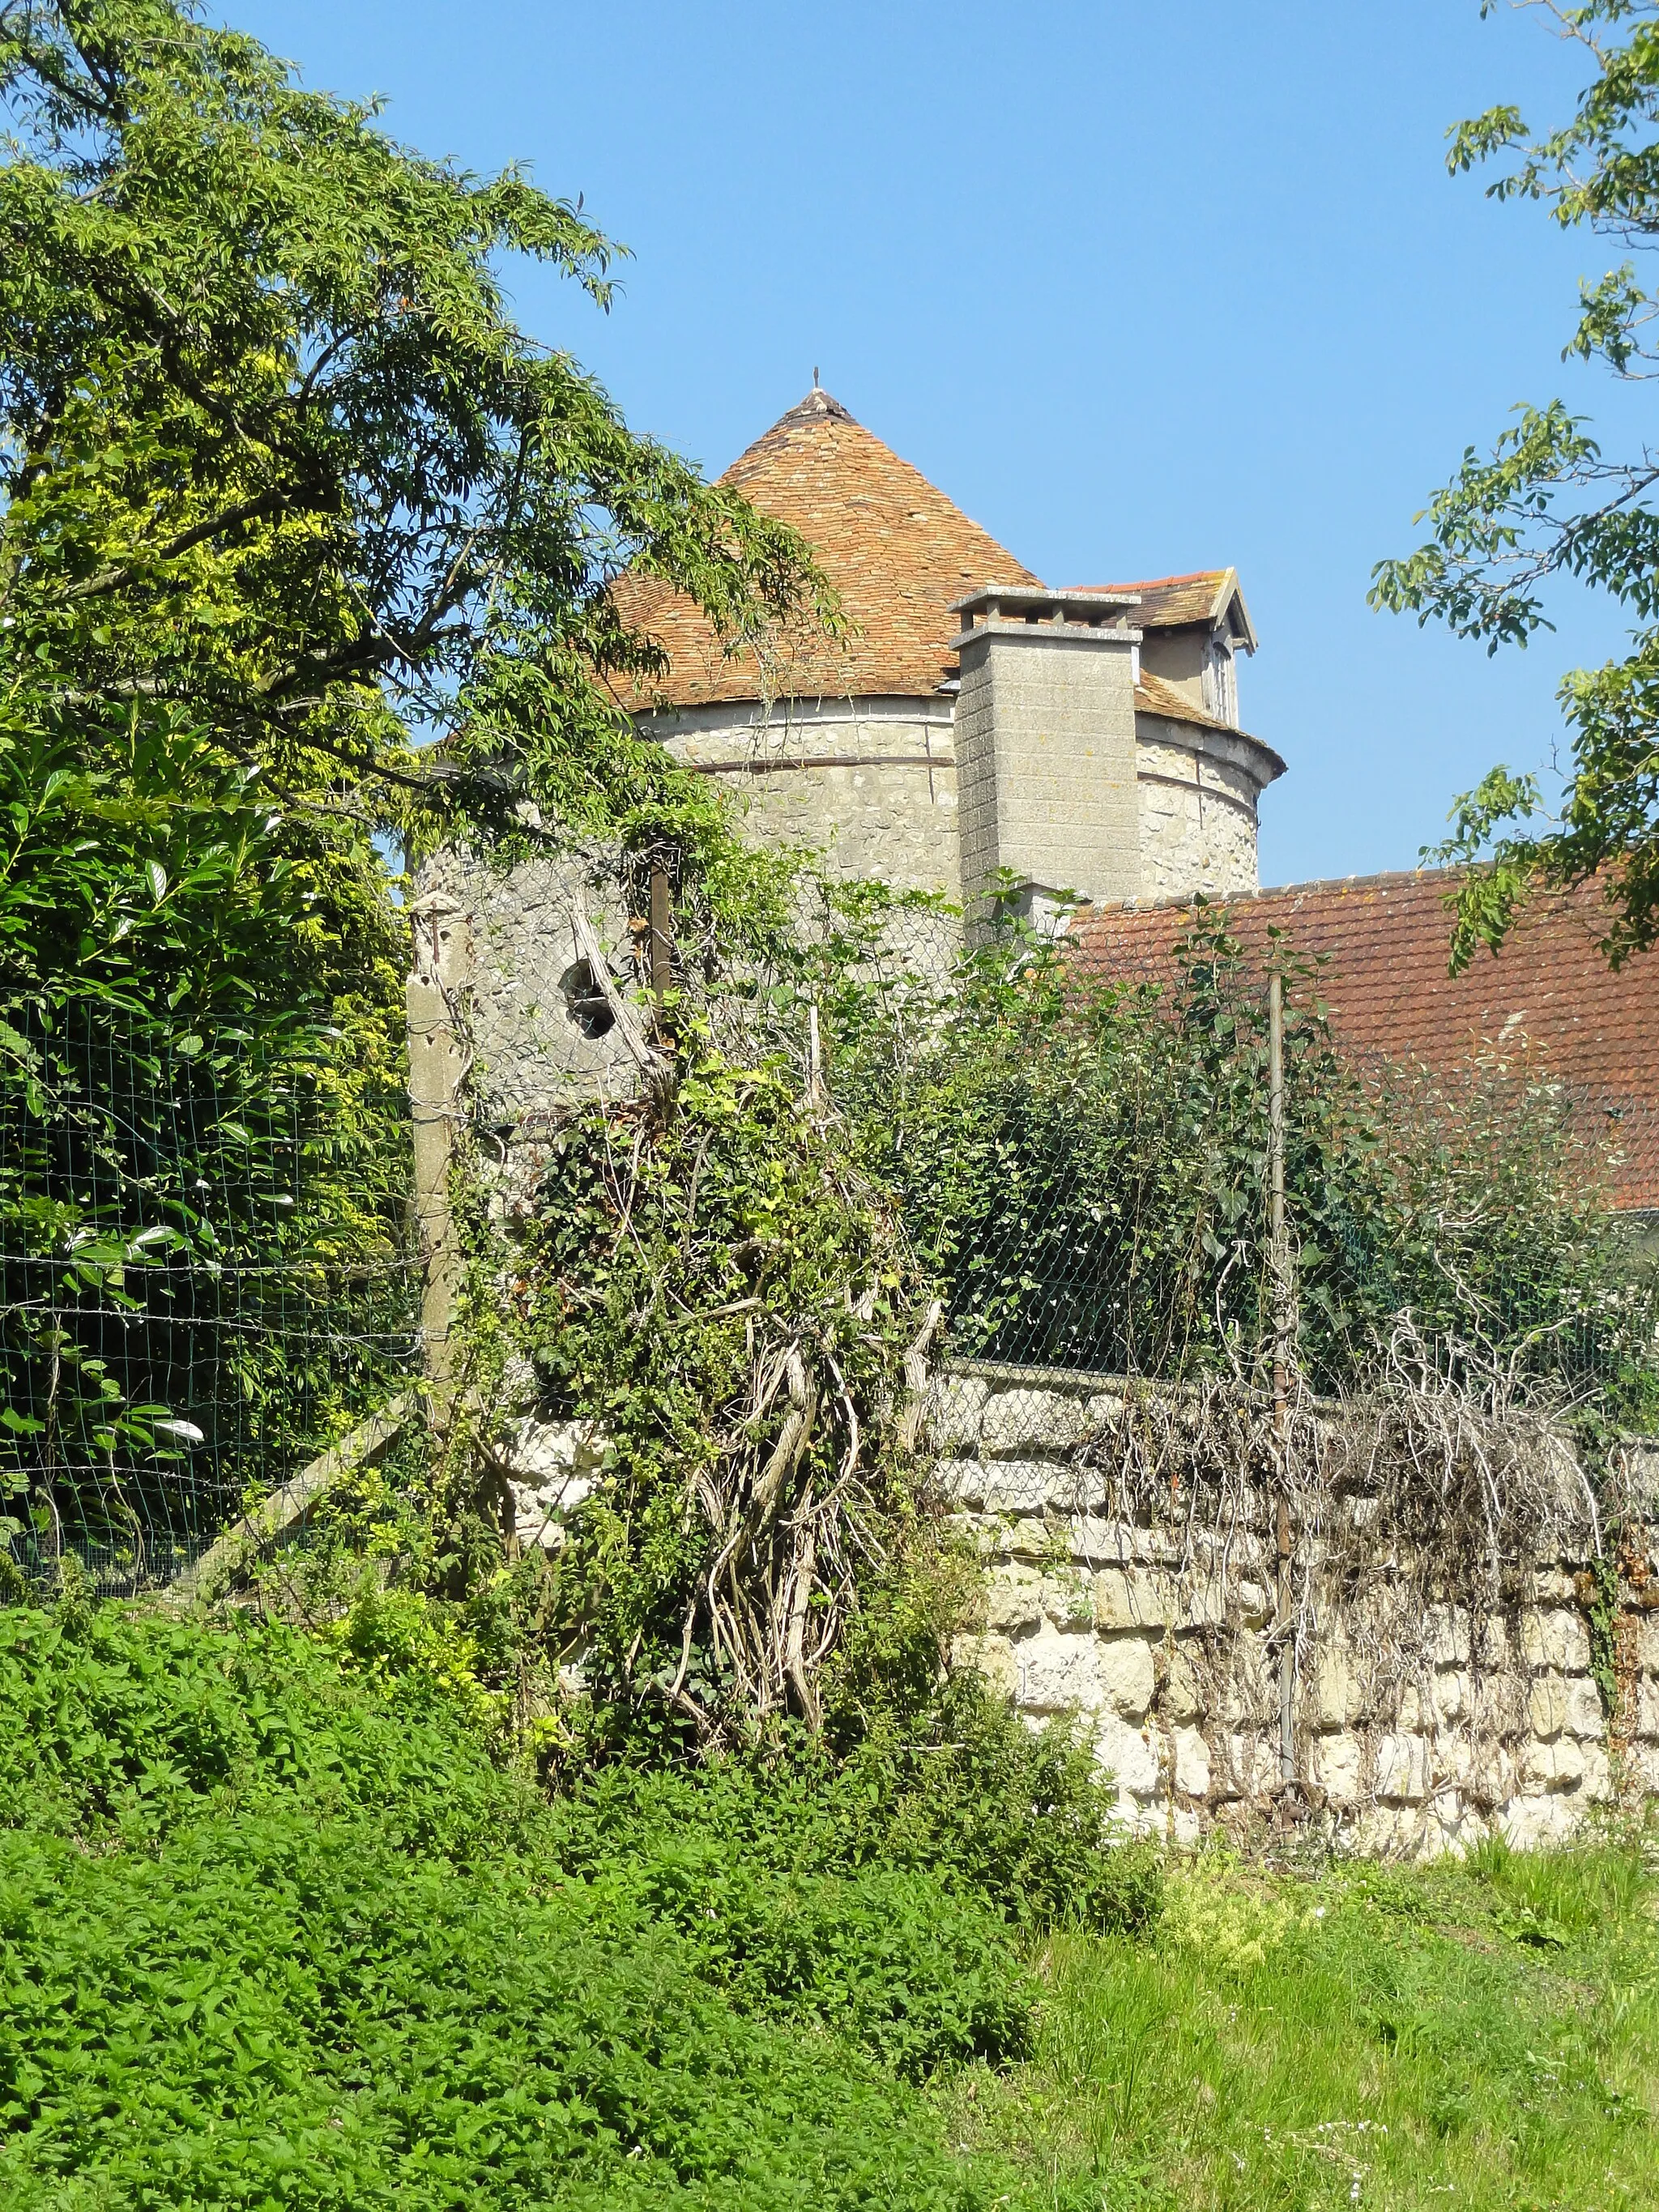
point(276, 451)
point(1548, 502)
point(285, 495)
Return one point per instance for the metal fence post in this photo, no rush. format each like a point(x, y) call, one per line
point(1279, 1264)
point(661, 937)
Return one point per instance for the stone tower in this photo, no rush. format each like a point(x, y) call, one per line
point(971, 719)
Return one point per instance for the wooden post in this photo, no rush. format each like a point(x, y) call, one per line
point(661, 944)
point(437, 1069)
point(1280, 1265)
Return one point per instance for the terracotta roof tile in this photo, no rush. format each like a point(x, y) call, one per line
point(1390, 998)
point(1154, 697)
point(1205, 596)
point(895, 549)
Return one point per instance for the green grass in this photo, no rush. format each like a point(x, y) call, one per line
point(1477, 2036)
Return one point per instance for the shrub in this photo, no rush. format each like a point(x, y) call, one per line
point(138, 1724)
point(274, 1927)
point(277, 2009)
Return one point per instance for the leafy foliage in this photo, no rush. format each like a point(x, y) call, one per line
point(284, 494)
point(114, 1728)
point(1547, 503)
point(993, 1813)
point(1083, 1166)
point(271, 1925)
point(725, 1302)
point(280, 453)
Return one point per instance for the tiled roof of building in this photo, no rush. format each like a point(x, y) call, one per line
point(1154, 697)
point(1548, 994)
point(895, 549)
point(1207, 595)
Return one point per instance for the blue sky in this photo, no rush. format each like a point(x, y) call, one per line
point(1144, 289)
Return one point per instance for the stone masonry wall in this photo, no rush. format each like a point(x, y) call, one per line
point(532, 1050)
point(1198, 811)
point(1046, 752)
point(1162, 1636)
point(873, 784)
point(870, 783)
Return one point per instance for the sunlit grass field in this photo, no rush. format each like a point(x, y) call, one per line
point(1482, 2034)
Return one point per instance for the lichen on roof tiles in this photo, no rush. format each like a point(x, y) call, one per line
point(895, 549)
point(1384, 943)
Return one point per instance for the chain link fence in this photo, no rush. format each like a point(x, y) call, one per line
point(1079, 1131)
point(1083, 1140)
point(201, 1284)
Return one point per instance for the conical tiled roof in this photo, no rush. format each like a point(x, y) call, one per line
point(896, 550)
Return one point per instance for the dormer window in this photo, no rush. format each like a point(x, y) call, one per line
point(1192, 629)
point(1220, 679)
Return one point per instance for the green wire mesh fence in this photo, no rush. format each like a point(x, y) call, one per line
point(204, 1278)
point(206, 1266)
point(1082, 1153)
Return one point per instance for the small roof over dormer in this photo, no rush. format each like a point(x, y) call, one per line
point(1209, 596)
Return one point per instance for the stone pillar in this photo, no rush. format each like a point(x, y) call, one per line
point(1045, 743)
point(437, 1069)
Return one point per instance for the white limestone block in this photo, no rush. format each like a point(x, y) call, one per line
point(1408, 1716)
point(1130, 1757)
point(1550, 1766)
point(1023, 1485)
point(1095, 1542)
point(1337, 1765)
point(1056, 1672)
point(1026, 1539)
point(1192, 1762)
point(955, 1404)
point(1013, 1600)
point(549, 1468)
point(1555, 1637)
point(1068, 1600)
point(1597, 1787)
point(1446, 1640)
point(961, 1481)
point(1546, 1706)
point(992, 1657)
point(1402, 1768)
point(1330, 1684)
point(1182, 1697)
point(1134, 1597)
point(1127, 1672)
point(1490, 1641)
point(1531, 1822)
point(1586, 1717)
point(1454, 1693)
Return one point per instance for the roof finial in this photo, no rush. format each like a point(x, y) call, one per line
point(815, 376)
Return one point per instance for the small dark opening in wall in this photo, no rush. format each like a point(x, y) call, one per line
point(588, 1006)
